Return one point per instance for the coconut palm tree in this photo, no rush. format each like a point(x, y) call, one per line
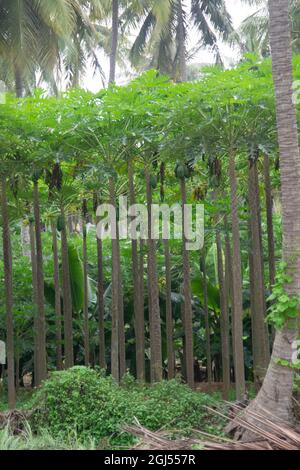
point(163, 34)
point(253, 34)
point(275, 396)
point(38, 36)
point(114, 40)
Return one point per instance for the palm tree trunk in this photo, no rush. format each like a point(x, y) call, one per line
point(40, 324)
point(138, 305)
point(114, 40)
point(154, 310)
point(181, 44)
point(8, 284)
point(224, 320)
point(67, 298)
point(100, 283)
point(206, 318)
point(58, 333)
point(275, 396)
point(19, 86)
point(269, 210)
point(169, 313)
point(237, 285)
point(115, 370)
point(188, 313)
point(86, 329)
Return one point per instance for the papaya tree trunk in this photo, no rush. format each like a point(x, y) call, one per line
point(237, 297)
point(86, 329)
point(67, 297)
point(169, 313)
point(224, 320)
point(34, 295)
point(115, 370)
point(206, 319)
point(58, 333)
point(122, 338)
point(260, 346)
point(40, 324)
point(142, 299)
point(154, 310)
point(188, 313)
point(138, 303)
point(8, 285)
point(270, 229)
point(100, 283)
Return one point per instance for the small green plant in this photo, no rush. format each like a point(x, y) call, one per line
point(285, 308)
point(83, 402)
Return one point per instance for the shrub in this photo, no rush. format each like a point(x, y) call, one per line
point(91, 406)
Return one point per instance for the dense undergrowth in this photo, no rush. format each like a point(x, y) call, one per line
point(81, 407)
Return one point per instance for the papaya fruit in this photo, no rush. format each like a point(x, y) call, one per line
point(180, 171)
point(61, 223)
point(153, 181)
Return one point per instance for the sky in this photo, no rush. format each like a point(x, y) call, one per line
point(238, 10)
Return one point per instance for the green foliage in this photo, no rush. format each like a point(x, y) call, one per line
point(83, 401)
point(43, 441)
point(285, 308)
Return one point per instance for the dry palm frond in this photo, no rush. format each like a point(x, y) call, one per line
point(270, 434)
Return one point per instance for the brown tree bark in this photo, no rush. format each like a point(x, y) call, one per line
point(206, 318)
point(260, 345)
point(188, 313)
point(100, 283)
point(237, 297)
point(270, 229)
point(181, 44)
point(142, 299)
point(224, 320)
point(34, 293)
point(19, 85)
point(138, 303)
point(67, 298)
point(8, 284)
point(41, 357)
point(86, 328)
point(115, 366)
point(169, 313)
point(122, 338)
point(114, 40)
point(154, 310)
point(58, 332)
point(275, 396)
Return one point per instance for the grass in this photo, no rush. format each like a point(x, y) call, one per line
point(43, 441)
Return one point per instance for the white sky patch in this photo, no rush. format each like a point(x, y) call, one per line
point(238, 10)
